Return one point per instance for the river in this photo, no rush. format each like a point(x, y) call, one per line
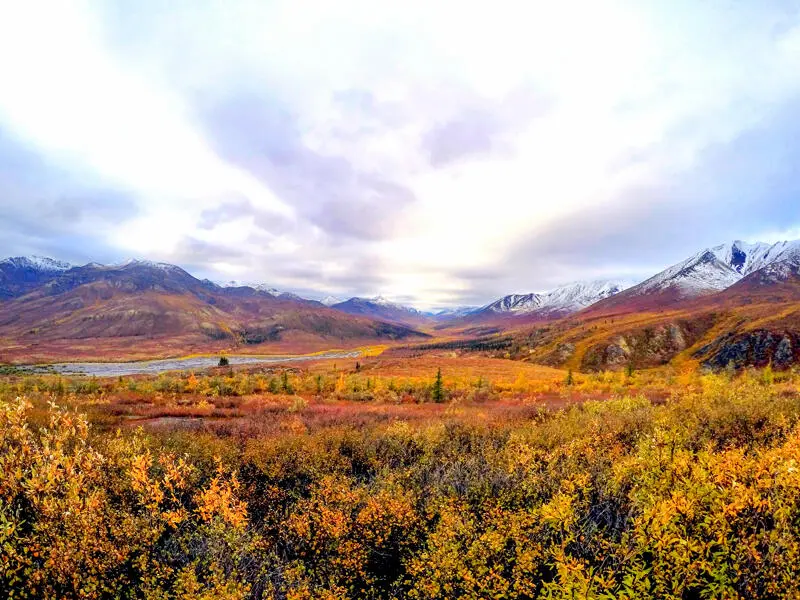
point(149, 367)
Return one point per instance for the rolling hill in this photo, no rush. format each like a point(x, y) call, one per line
point(141, 308)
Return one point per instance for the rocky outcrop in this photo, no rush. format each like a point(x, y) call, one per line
point(757, 348)
point(647, 347)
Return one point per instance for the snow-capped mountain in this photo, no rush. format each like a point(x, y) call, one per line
point(263, 287)
point(702, 273)
point(138, 262)
point(380, 307)
point(514, 303)
point(747, 258)
point(709, 271)
point(330, 300)
point(454, 312)
point(41, 264)
point(260, 287)
point(717, 268)
point(20, 274)
point(560, 301)
point(383, 301)
point(786, 270)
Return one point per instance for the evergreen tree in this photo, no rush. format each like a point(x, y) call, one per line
point(438, 388)
point(569, 380)
point(223, 361)
point(285, 385)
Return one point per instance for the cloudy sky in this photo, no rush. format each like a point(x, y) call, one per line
point(434, 152)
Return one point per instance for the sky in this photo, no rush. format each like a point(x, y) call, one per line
point(436, 153)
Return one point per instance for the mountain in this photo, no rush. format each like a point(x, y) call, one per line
point(259, 287)
point(705, 273)
point(778, 281)
point(766, 330)
point(381, 308)
point(330, 300)
point(559, 302)
point(747, 258)
point(453, 313)
point(20, 274)
point(141, 308)
point(681, 315)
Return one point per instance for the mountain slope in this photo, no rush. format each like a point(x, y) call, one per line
point(151, 308)
point(382, 309)
point(704, 273)
point(747, 258)
point(755, 321)
point(453, 313)
point(559, 302)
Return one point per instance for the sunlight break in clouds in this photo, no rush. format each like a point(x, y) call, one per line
point(421, 150)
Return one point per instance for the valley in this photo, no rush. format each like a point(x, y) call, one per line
point(138, 310)
point(399, 300)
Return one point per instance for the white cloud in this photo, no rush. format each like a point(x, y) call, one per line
point(587, 100)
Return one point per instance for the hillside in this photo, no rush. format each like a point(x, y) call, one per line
point(707, 272)
point(382, 309)
point(148, 309)
point(753, 322)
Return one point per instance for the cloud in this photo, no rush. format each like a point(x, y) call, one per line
point(355, 149)
point(47, 210)
point(741, 189)
point(469, 135)
point(329, 191)
point(239, 207)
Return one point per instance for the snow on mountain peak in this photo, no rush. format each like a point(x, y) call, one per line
point(717, 268)
point(701, 273)
point(263, 287)
point(563, 299)
point(138, 262)
point(260, 287)
point(42, 264)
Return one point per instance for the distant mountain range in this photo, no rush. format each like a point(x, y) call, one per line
point(381, 308)
point(49, 307)
point(559, 302)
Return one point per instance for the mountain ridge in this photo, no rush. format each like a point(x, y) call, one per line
point(704, 273)
point(144, 308)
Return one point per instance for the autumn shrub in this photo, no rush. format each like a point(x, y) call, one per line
point(697, 496)
point(84, 518)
